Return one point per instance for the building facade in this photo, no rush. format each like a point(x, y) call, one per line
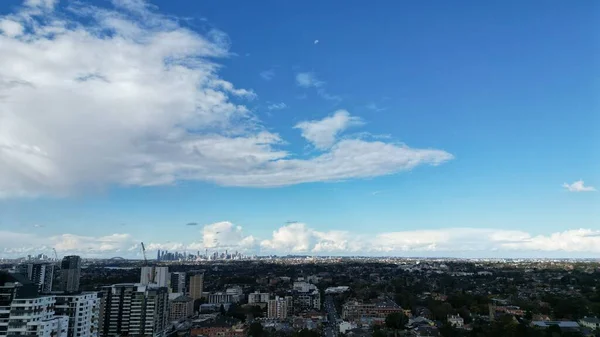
point(178, 282)
point(41, 274)
point(134, 310)
point(180, 308)
point(277, 308)
point(82, 311)
point(196, 286)
point(375, 311)
point(36, 317)
point(70, 272)
point(155, 275)
point(257, 297)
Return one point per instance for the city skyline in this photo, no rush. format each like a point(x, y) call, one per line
point(395, 130)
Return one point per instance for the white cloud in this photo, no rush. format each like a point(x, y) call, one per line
point(307, 80)
point(11, 28)
point(375, 107)
point(310, 80)
point(151, 111)
point(267, 75)
point(225, 234)
point(277, 106)
point(578, 186)
point(298, 238)
point(316, 42)
point(322, 133)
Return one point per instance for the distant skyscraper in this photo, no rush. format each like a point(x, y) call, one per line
point(196, 286)
point(158, 255)
point(41, 274)
point(178, 282)
point(70, 273)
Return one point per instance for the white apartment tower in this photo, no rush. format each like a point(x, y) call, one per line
point(82, 311)
point(36, 317)
point(277, 308)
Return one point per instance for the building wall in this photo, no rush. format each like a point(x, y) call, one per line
point(70, 273)
point(196, 286)
point(82, 311)
point(180, 310)
point(36, 317)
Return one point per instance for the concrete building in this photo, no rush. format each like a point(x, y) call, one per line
point(277, 308)
point(375, 311)
point(220, 298)
point(196, 286)
point(41, 274)
point(257, 297)
point(82, 311)
point(155, 275)
point(134, 310)
point(178, 282)
point(35, 316)
point(70, 273)
point(180, 308)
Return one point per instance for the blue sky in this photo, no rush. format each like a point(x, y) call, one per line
point(403, 128)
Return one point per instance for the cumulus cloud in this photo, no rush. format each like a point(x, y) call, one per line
point(299, 238)
point(277, 106)
point(75, 117)
point(578, 186)
point(322, 133)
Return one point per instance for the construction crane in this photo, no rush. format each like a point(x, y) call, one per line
point(144, 253)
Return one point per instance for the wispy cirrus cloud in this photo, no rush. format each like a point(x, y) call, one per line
point(310, 80)
point(277, 106)
point(268, 74)
point(578, 186)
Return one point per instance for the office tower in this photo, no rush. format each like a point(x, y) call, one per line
point(158, 255)
point(178, 282)
point(181, 307)
point(70, 273)
point(134, 310)
point(41, 274)
point(277, 308)
point(196, 286)
point(155, 275)
point(82, 311)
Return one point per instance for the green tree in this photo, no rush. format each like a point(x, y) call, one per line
point(396, 321)
point(255, 330)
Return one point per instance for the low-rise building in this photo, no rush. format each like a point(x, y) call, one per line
point(456, 321)
point(376, 311)
point(590, 322)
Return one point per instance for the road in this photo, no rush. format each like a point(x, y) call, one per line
point(331, 330)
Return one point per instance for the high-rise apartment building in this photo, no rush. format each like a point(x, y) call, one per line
point(70, 273)
point(178, 282)
point(277, 308)
point(23, 312)
point(134, 310)
point(196, 286)
point(155, 275)
point(41, 274)
point(82, 311)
